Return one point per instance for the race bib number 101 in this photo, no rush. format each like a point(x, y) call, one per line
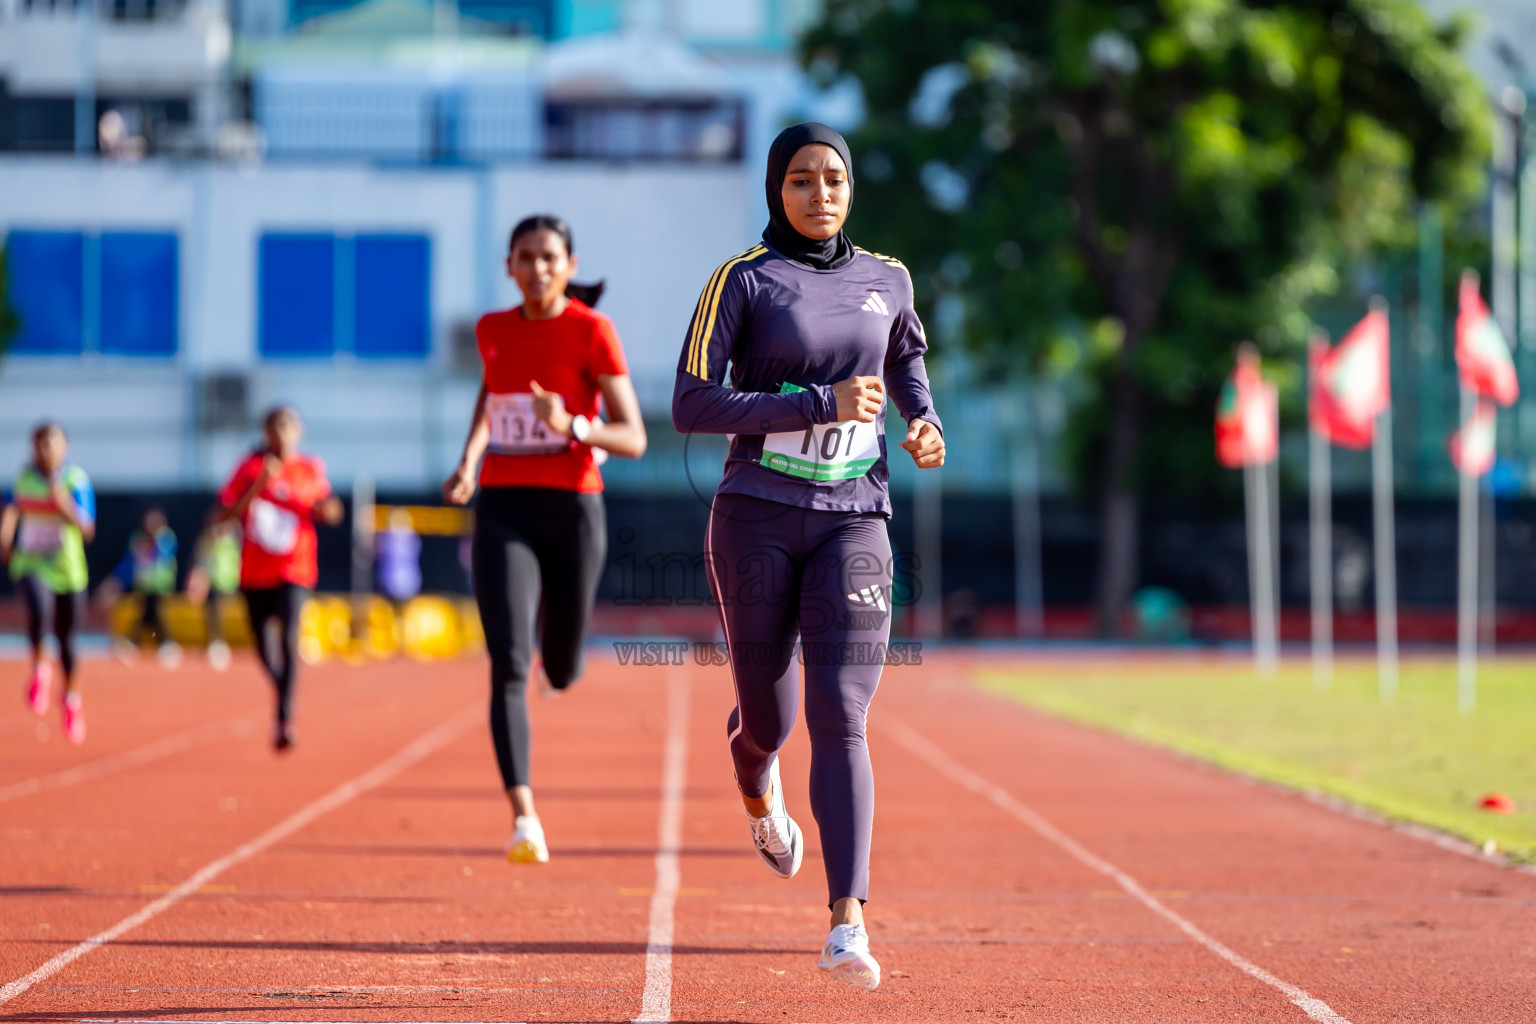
point(516, 430)
point(824, 451)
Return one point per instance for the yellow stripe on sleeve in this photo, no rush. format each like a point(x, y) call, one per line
point(704, 319)
point(891, 260)
point(698, 317)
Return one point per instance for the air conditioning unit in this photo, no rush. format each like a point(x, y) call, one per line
point(463, 351)
point(224, 402)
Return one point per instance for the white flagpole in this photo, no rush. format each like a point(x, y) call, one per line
point(1320, 479)
point(1386, 557)
point(1386, 548)
point(1260, 578)
point(1250, 521)
point(1272, 485)
point(1466, 590)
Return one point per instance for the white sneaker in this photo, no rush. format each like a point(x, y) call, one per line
point(845, 956)
point(776, 835)
point(169, 654)
point(527, 846)
point(125, 650)
point(219, 656)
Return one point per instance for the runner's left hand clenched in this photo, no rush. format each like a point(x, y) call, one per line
point(925, 443)
point(550, 407)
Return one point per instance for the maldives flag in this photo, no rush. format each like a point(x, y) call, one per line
point(1472, 447)
point(1482, 355)
point(1351, 384)
point(1247, 416)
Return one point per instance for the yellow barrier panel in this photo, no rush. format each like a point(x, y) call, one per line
point(430, 629)
point(184, 621)
point(426, 628)
point(428, 520)
point(325, 628)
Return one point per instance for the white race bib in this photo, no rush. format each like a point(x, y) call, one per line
point(40, 535)
point(273, 528)
point(826, 451)
point(515, 430)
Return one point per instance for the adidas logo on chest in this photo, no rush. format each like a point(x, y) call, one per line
point(876, 304)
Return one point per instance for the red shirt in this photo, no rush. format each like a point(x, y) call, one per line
point(280, 545)
point(566, 355)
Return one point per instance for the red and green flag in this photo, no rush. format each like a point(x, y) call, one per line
point(1482, 354)
point(1473, 447)
point(1351, 383)
point(1247, 415)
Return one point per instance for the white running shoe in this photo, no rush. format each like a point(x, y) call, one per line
point(169, 654)
point(219, 656)
point(845, 956)
point(527, 846)
point(776, 835)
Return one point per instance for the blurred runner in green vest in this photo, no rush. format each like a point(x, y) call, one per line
point(49, 515)
point(213, 581)
point(148, 569)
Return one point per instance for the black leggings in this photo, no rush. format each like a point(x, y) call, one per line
point(213, 615)
point(51, 612)
point(528, 540)
point(149, 621)
point(281, 660)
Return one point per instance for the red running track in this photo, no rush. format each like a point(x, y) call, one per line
point(1024, 868)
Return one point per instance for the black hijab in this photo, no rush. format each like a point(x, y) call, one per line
point(823, 254)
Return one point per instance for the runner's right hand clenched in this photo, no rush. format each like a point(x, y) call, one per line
point(460, 487)
point(859, 398)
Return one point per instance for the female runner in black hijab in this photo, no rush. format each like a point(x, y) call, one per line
point(816, 333)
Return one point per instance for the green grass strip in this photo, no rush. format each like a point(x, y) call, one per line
point(1412, 758)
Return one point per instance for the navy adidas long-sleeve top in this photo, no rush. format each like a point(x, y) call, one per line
point(774, 321)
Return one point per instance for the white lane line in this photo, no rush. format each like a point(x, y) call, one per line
point(161, 748)
point(656, 1003)
point(917, 744)
point(396, 763)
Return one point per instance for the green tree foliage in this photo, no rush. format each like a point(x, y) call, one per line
point(9, 322)
point(1118, 192)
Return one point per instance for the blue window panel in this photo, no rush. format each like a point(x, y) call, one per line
point(391, 296)
point(47, 290)
point(296, 313)
point(138, 294)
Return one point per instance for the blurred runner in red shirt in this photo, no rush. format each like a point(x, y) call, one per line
point(278, 495)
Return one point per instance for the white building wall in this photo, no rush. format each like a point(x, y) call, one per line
point(655, 233)
point(40, 51)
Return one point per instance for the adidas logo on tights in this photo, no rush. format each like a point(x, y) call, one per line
point(871, 597)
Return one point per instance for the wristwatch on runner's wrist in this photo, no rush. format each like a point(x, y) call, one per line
point(581, 427)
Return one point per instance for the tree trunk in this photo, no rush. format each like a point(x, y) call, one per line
point(1119, 505)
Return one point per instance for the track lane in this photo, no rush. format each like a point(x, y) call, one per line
point(397, 906)
point(385, 903)
point(1378, 924)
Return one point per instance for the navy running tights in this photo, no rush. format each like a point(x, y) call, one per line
point(779, 572)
